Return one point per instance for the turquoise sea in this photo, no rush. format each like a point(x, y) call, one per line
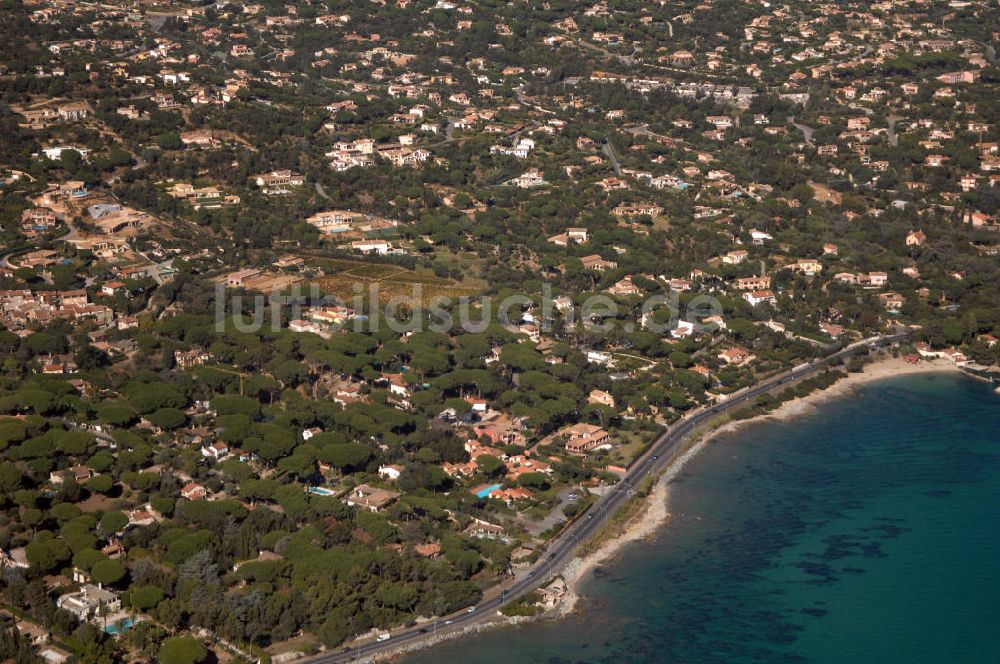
point(865, 532)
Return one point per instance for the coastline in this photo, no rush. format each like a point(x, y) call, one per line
point(655, 512)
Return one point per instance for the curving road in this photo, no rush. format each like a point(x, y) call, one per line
point(806, 130)
point(563, 548)
point(522, 99)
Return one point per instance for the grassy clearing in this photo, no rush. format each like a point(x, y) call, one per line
point(633, 444)
point(393, 281)
point(661, 223)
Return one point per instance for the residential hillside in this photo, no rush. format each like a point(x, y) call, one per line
point(319, 318)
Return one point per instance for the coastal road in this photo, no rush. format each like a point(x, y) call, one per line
point(563, 548)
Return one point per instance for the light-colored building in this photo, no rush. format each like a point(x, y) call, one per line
point(90, 602)
point(583, 438)
point(380, 247)
point(370, 498)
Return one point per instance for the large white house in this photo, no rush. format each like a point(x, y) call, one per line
point(90, 602)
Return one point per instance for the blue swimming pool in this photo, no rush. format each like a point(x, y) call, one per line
point(483, 493)
point(119, 627)
point(320, 491)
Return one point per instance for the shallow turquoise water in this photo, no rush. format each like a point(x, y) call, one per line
point(867, 531)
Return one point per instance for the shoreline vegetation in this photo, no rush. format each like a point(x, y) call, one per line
point(649, 509)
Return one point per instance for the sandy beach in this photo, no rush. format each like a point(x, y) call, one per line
point(656, 511)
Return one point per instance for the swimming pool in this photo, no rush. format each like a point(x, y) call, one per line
point(119, 627)
point(320, 491)
point(483, 493)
